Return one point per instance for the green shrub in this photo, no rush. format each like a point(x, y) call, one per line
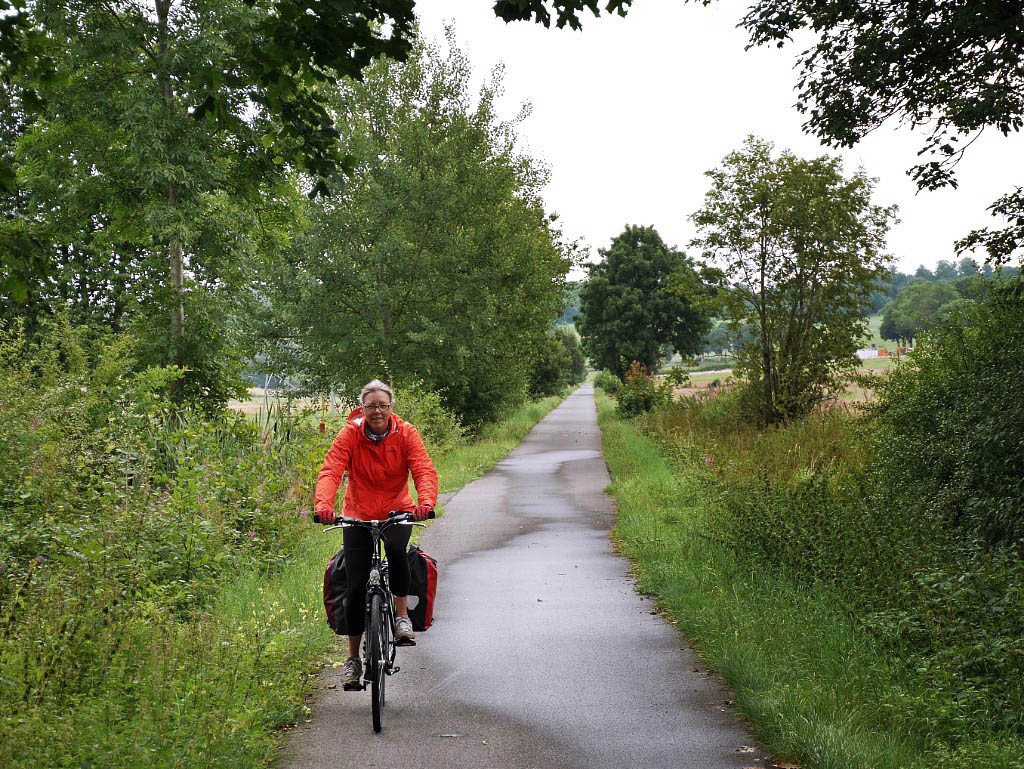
point(440, 428)
point(608, 382)
point(640, 392)
point(951, 422)
point(558, 363)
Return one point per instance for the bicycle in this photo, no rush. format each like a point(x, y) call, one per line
point(379, 646)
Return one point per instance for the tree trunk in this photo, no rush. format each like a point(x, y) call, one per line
point(766, 342)
point(174, 248)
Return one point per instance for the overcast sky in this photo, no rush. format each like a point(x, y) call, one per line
point(629, 114)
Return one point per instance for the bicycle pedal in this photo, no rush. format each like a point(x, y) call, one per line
point(408, 642)
point(350, 687)
point(393, 670)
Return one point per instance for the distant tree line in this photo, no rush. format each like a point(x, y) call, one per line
point(915, 303)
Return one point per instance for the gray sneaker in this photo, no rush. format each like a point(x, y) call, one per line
point(403, 632)
point(352, 675)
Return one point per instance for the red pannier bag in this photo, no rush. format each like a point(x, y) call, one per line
point(422, 587)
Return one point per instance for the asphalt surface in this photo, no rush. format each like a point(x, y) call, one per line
point(542, 655)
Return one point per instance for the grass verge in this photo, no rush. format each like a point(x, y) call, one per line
point(218, 689)
point(815, 688)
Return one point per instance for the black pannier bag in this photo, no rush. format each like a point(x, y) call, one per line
point(335, 592)
point(422, 587)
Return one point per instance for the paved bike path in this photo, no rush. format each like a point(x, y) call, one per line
point(542, 655)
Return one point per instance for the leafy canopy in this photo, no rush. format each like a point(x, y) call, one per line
point(437, 262)
point(630, 310)
point(154, 153)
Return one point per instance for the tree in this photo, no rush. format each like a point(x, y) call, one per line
point(797, 251)
point(953, 66)
point(21, 255)
point(974, 286)
point(723, 338)
point(436, 262)
point(968, 267)
point(945, 270)
point(572, 303)
point(915, 310)
point(165, 127)
point(629, 307)
point(567, 11)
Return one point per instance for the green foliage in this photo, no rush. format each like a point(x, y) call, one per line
point(158, 600)
point(831, 500)
point(951, 422)
point(916, 309)
point(572, 303)
point(567, 10)
point(640, 392)
point(722, 338)
point(935, 63)
point(559, 363)
point(851, 693)
point(438, 259)
point(153, 165)
point(632, 305)
point(120, 508)
point(796, 250)
point(954, 67)
point(576, 363)
point(608, 382)
point(440, 428)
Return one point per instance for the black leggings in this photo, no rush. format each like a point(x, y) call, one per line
point(358, 548)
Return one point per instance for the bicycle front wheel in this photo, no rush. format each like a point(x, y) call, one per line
point(379, 642)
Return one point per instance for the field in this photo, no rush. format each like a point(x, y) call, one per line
point(265, 401)
point(872, 338)
point(708, 382)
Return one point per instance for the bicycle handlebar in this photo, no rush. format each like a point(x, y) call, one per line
point(394, 517)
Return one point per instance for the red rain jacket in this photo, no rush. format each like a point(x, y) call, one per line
point(378, 472)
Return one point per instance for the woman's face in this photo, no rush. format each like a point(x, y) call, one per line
point(377, 408)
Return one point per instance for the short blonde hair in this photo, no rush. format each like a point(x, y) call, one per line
point(374, 386)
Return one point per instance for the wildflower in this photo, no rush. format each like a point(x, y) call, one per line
point(252, 533)
point(708, 461)
point(38, 559)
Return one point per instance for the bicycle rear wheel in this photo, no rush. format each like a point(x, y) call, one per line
point(379, 644)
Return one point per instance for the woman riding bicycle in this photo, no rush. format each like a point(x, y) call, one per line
point(379, 450)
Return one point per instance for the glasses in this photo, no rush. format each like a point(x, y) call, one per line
point(376, 406)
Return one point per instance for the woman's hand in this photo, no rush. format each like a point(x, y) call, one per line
point(325, 517)
point(421, 512)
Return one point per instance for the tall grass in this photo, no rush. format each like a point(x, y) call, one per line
point(808, 679)
point(854, 634)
